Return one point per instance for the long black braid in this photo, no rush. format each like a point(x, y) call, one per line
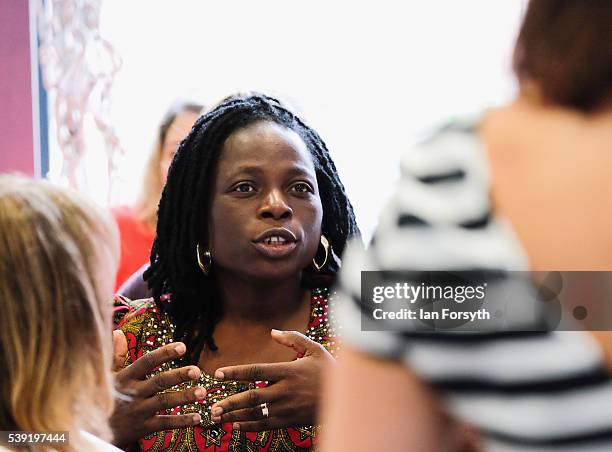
point(195, 307)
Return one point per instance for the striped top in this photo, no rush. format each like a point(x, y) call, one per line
point(523, 391)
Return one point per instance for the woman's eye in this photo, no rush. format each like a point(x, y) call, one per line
point(244, 188)
point(302, 188)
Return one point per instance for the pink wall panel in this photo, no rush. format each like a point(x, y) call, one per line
point(16, 144)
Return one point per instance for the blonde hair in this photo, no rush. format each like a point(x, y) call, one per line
point(55, 310)
point(153, 185)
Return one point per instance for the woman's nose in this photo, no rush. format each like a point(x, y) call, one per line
point(275, 206)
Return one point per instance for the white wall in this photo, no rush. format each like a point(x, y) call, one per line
point(369, 76)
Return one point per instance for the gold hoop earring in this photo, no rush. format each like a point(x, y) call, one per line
point(326, 247)
point(205, 267)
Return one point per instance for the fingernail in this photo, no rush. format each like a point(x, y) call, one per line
point(193, 373)
point(200, 393)
point(196, 418)
point(217, 411)
point(219, 375)
point(180, 349)
point(276, 331)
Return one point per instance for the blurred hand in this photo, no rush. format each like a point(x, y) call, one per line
point(136, 414)
point(292, 396)
point(120, 350)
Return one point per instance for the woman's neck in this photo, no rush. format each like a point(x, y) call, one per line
point(550, 179)
point(247, 301)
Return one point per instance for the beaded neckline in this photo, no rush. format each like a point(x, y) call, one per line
point(158, 331)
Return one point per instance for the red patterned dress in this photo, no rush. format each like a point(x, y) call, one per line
point(146, 329)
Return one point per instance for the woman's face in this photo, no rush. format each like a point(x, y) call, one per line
point(179, 128)
point(265, 212)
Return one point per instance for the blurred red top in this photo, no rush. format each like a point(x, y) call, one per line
point(136, 240)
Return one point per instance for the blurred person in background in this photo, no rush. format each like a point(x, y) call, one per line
point(58, 255)
point(540, 168)
point(137, 224)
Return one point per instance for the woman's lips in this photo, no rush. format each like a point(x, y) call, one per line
point(276, 243)
point(275, 250)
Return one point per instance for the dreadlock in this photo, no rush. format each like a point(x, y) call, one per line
point(185, 203)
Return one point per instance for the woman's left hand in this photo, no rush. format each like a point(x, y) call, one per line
point(292, 396)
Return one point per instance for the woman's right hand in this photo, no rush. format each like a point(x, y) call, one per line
point(136, 415)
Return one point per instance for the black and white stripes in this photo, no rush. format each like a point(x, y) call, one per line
point(524, 391)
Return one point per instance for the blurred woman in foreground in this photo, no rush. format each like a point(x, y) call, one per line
point(549, 157)
point(58, 256)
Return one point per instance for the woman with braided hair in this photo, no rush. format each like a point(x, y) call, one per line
point(250, 224)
